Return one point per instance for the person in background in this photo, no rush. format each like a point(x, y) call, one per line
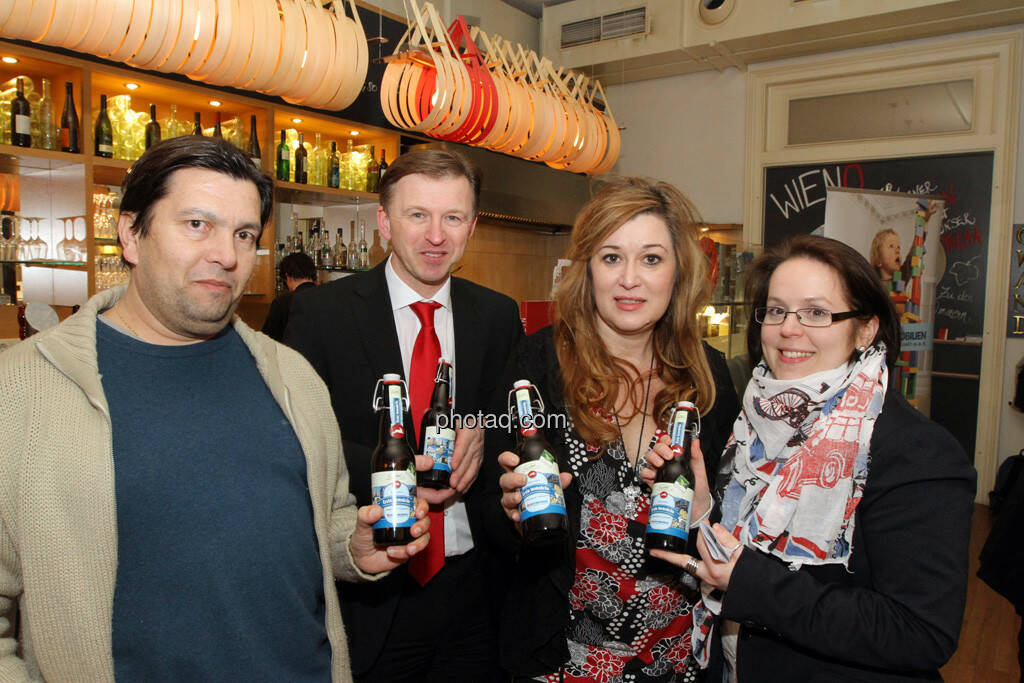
point(623, 349)
point(845, 512)
point(432, 622)
point(885, 254)
point(298, 272)
point(174, 503)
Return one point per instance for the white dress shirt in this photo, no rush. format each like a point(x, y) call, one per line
point(457, 537)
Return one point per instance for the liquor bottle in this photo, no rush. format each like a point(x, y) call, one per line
point(333, 167)
point(152, 128)
point(392, 466)
point(372, 173)
point(542, 517)
point(364, 248)
point(103, 134)
point(353, 249)
point(197, 127)
point(383, 166)
point(301, 162)
point(47, 133)
point(254, 143)
point(437, 433)
point(172, 127)
point(326, 250)
point(69, 130)
point(283, 164)
point(340, 253)
point(217, 133)
point(300, 246)
point(318, 163)
point(668, 524)
point(314, 245)
point(348, 180)
point(21, 118)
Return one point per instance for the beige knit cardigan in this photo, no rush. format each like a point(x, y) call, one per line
point(58, 528)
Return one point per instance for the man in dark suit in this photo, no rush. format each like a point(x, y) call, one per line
point(430, 621)
point(297, 272)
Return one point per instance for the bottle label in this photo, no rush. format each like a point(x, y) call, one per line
point(396, 410)
point(22, 124)
point(670, 508)
point(525, 412)
point(542, 493)
point(439, 445)
point(285, 155)
point(103, 147)
point(395, 492)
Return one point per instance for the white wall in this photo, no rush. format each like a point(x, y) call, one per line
point(495, 17)
point(689, 130)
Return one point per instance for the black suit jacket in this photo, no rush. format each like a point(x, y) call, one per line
point(346, 330)
point(277, 317)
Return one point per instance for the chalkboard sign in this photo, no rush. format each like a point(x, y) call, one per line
point(794, 204)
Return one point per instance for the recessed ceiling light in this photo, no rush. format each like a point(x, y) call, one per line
point(296, 120)
point(10, 60)
point(132, 86)
point(353, 132)
point(214, 103)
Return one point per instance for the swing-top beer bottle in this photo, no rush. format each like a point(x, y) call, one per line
point(437, 433)
point(542, 515)
point(668, 523)
point(392, 466)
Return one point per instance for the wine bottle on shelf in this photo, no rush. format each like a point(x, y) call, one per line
point(197, 127)
point(300, 245)
point(172, 127)
point(326, 250)
point(347, 175)
point(69, 130)
point(103, 134)
point(283, 164)
point(314, 245)
point(382, 166)
point(216, 127)
point(353, 249)
point(21, 118)
point(47, 133)
point(301, 162)
point(333, 167)
point(392, 465)
point(152, 128)
point(372, 173)
point(340, 253)
point(318, 163)
point(364, 248)
point(254, 143)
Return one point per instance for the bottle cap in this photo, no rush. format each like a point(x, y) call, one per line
point(391, 377)
point(521, 384)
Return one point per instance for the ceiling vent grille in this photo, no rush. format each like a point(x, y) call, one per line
point(617, 25)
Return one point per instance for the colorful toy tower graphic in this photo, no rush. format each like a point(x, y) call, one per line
point(905, 291)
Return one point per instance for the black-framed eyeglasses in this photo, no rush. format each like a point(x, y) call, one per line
point(808, 317)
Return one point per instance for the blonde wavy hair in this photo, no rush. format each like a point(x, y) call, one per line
point(591, 376)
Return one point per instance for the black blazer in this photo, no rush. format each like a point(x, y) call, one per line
point(346, 330)
point(277, 317)
point(896, 614)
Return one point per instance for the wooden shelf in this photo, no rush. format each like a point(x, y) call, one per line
point(13, 158)
point(299, 193)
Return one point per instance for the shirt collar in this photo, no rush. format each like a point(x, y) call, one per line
point(402, 295)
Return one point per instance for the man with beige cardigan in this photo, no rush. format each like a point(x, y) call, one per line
point(174, 503)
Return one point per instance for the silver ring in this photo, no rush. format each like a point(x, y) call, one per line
point(691, 567)
point(732, 550)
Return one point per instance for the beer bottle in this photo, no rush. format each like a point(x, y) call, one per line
point(392, 466)
point(437, 436)
point(668, 522)
point(542, 517)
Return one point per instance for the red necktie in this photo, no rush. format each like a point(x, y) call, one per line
point(422, 371)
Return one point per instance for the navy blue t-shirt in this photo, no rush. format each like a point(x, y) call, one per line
point(218, 574)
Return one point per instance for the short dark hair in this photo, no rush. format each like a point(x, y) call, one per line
point(146, 182)
point(298, 266)
point(433, 163)
point(860, 282)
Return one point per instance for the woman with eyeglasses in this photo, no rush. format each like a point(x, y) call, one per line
point(845, 512)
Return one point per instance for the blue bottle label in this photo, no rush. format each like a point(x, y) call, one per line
point(542, 494)
point(670, 508)
point(439, 446)
point(395, 492)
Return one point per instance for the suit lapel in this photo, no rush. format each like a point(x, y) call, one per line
point(374, 324)
point(469, 348)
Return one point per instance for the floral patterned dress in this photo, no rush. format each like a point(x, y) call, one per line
point(629, 621)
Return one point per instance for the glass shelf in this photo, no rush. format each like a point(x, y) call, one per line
point(49, 264)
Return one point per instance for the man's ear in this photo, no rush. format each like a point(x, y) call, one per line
point(129, 238)
point(383, 223)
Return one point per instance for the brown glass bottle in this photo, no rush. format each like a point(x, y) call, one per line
point(392, 466)
point(437, 433)
point(542, 517)
point(668, 522)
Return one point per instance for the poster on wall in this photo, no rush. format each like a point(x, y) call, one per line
point(898, 234)
point(1015, 312)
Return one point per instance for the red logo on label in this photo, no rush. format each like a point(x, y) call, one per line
point(532, 474)
point(529, 431)
point(397, 431)
point(398, 484)
point(664, 494)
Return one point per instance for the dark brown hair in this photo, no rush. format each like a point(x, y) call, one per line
point(861, 287)
point(591, 376)
point(433, 163)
